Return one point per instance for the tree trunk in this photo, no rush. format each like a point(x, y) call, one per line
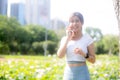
point(119, 37)
point(116, 4)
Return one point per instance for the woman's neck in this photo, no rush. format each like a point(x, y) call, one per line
point(77, 37)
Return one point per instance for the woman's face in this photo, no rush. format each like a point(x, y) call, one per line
point(75, 25)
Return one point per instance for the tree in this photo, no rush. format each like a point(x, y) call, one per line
point(16, 38)
point(36, 32)
point(8, 28)
point(116, 4)
point(110, 44)
point(95, 33)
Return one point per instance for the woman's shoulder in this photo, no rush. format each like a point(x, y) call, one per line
point(88, 39)
point(63, 38)
point(86, 35)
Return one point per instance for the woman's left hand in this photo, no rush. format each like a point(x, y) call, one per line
point(79, 51)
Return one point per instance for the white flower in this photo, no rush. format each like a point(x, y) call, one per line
point(31, 67)
point(38, 76)
point(54, 55)
point(9, 62)
point(95, 72)
point(49, 55)
point(39, 73)
point(106, 75)
point(48, 69)
point(101, 78)
point(21, 76)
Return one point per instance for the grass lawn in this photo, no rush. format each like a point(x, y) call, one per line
point(51, 68)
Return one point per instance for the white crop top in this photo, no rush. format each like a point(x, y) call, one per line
point(82, 43)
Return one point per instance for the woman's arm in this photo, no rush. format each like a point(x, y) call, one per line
point(91, 52)
point(62, 49)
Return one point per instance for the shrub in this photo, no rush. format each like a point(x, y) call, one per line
point(14, 47)
point(4, 49)
point(51, 47)
point(24, 48)
point(37, 47)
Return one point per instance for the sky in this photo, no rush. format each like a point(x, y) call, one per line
point(97, 13)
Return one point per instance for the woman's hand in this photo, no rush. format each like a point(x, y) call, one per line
point(79, 51)
point(69, 31)
point(91, 57)
point(70, 34)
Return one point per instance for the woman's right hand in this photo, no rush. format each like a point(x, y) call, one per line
point(69, 32)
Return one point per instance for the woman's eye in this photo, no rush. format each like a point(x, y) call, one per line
point(74, 21)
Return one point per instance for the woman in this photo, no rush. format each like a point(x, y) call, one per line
point(78, 48)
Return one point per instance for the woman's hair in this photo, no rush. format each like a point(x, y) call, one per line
point(79, 15)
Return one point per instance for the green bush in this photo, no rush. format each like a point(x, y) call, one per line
point(24, 48)
point(22, 40)
point(38, 47)
point(14, 47)
point(4, 49)
point(51, 47)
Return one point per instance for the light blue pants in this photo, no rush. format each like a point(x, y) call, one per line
point(76, 73)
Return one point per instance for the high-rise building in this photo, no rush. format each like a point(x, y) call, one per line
point(3, 7)
point(38, 12)
point(18, 11)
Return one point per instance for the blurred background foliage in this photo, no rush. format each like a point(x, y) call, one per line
point(16, 39)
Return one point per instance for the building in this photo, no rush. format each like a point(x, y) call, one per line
point(3, 7)
point(38, 12)
point(35, 12)
point(17, 10)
